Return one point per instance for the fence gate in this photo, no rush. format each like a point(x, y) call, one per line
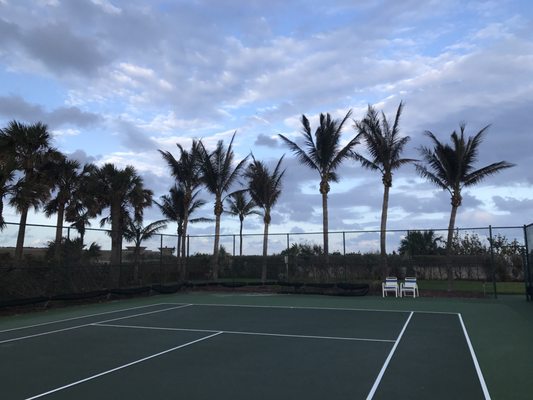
point(528, 270)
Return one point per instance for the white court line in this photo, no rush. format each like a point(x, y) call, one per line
point(244, 333)
point(322, 308)
point(83, 316)
point(386, 364)
point(476, 364)
point(89, 324)
point(122, 366)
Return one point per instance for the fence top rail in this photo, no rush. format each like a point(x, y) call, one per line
point(361, 231)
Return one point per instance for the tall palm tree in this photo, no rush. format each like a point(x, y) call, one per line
point(186, 171)
point(324, 154)
point(31, 158)
point(218, 174)
point(240, 206)
point(66, 181)
point(265, 189)
point(122, 190)
point(385, 147)
point(451, 167)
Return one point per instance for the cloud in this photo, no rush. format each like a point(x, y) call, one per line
point(133, 137)
point(267, 141)
point(82, 157)
point(15, 107)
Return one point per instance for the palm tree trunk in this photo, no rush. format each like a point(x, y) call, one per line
point(2, 221)
point(451, 226)
point(240, 239)
point(116, 242)
point(136, 257)
point(59, 233)
point(20, 237)
point(183, 270)
point(383, 232)
point(325, 228)
point(265, 251)
point(214, 261)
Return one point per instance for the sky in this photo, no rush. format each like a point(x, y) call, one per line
point(115, 81)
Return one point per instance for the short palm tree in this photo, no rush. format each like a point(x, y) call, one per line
point(265, 189)
point(218, 175)
point(136, 233)
point(240, 206)
point(186, 171)
point(84, 205)
point(172, 206)
point(122, 190)
point(6, 176)
point(7, 168)
point(420, 243)
point(323, 153)
point(31, 157)
point(385, 147)
point(451, 167)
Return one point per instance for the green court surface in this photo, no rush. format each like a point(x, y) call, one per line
point(237, 346)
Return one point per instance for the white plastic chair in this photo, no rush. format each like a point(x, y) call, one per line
point(410, 286)
point(390, 285)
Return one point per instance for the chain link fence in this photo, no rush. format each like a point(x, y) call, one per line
point(482, 258)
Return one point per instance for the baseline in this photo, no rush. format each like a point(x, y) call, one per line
point(321, 308)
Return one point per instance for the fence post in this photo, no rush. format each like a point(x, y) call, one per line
point(68, 233)
point(233, 245)
point(188, 244)
point(527, 272)
point(288, 243)
point(492, 263)
point(161, 257)
point(343, 243)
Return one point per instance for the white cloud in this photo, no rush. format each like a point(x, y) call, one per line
point(107, 6)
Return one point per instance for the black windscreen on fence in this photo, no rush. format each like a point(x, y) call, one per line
point(529, 262)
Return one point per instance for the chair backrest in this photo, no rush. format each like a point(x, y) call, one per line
point(410, 281)
point(391, 280)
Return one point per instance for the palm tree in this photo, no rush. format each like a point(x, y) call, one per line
point(135, 232)
point(186, 171)
point(420, 243)
point(172, 207)
point(122, 190)
point(451, 167)
point(66, 181)
point(31, 156)
point(265, 189)
point(83, 205)
point(385, 146)
point(324, 154)
point(6, 176)
point(239, 205)
point(218, 174)
point(7, 168)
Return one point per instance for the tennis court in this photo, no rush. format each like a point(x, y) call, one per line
point(205, 351)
